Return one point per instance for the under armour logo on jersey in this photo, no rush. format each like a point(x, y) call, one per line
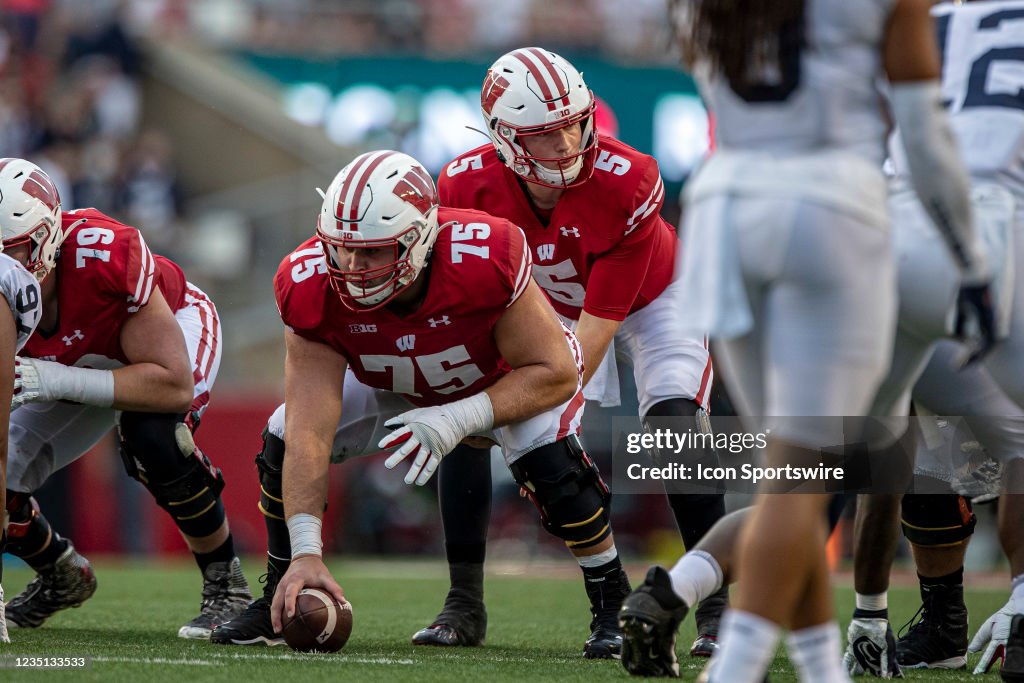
point(406, 343)
point(546, 252)
point(574, 231)
point(68, 341)
point(443, 321)
point(361, 328)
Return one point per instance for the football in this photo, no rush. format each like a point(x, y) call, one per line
point(320, 624)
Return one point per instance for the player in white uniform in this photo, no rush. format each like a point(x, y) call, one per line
point(786, 231)
point(20, 188)
point(982, 85)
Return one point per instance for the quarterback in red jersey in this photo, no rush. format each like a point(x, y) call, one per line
point(124, 340)
point(590, 208)
point(447, 337)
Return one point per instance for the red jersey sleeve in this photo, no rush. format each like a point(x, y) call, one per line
point(520, 263)
point(299, 286)
point(139, 273)
point(617, 276)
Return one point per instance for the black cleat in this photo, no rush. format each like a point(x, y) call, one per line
point(225, 596)
point(68, 582)
point(254, 625)
point(650, 617)
point(938, 640)
point(606, 597)
point(460, 623)
point(708, 615)
point(1013, 659)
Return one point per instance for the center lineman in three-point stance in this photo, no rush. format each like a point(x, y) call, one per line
point(400, 315)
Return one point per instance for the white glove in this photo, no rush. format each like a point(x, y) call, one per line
point(993, 635)
point(431, 433)
point(39, 381)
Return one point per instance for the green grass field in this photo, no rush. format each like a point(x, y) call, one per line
point(537, 628)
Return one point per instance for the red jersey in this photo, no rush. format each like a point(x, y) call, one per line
point(105, 273)
point(605, 248)
point(445, 350)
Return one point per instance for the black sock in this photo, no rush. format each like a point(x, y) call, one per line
point(225, 552)
point(955, 578)
point(695, 514)
point(35, 541)
point(464, 490)
point(603, 583)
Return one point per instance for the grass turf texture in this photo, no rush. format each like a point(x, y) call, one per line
point(537, 629)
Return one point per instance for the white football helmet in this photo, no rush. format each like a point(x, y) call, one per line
point(381, 199)
point(530, 91)
point(30, 213)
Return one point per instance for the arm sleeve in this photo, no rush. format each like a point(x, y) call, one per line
point(937, 173)
point(617, 275)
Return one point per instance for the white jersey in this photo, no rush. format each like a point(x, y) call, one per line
point(983, 86)
point(825, 96)
point(21, 290)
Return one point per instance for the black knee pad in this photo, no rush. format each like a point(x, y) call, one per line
point(938, 519)
point(270, 462)
point(674, 407)
point(566, 486)
point(158, 450)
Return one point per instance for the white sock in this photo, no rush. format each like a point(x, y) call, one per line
point(747, 644)
point(873, 601)
point(598, 560)
point(1018, 589)
point(817, 654)
point(696, 576)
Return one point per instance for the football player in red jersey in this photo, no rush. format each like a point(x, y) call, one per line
point(446, 337)
point(123, 341)
point(26, 197)
point(589, 207)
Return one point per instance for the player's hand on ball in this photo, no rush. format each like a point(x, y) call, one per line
point(992, 636)
point(305, 571)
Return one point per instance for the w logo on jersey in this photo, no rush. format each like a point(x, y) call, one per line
point(406, 343)
point(417, 189)
point(545, 252)
point(495, 86)
point(574, 231)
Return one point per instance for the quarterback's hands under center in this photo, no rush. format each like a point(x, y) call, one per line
point(305, 571)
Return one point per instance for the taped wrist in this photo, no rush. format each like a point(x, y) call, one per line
point(937, 173)
point(937, 520)
point(304, 530)
point(566, 486)
point(81, 385)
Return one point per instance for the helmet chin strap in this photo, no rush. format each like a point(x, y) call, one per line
point(566, 175)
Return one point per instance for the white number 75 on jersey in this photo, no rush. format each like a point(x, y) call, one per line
point(446, 372)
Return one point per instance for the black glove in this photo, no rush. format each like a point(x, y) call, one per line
point(975, 320)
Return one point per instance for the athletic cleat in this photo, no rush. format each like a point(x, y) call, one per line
point(462, 622)
point(225, 596)
point(606, 597)
point(939, 639)
point(708, 615)
point(650, 617)
point(254, 625)
point(68, 582)
point(871, 648)
point(1013, 658)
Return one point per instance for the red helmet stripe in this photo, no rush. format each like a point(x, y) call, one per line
point(538, 75)
point(352, 188)
point(561, 89)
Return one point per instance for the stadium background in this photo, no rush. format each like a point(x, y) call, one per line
point(207, 124)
